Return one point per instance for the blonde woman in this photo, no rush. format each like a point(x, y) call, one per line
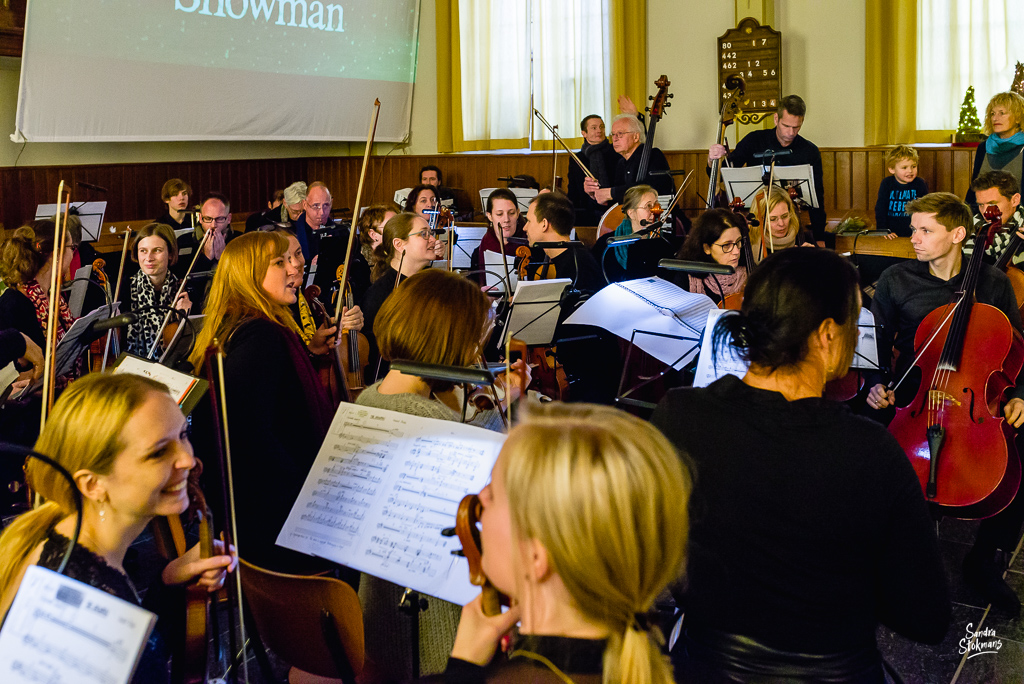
point(584, 524)
point(1003, 150)
point(278, 410)
point(781, 229)
point(123, 439)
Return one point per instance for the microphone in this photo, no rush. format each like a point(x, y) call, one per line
point(113, 322)
point(200, 275)
point(772, 153)
point(695, 267)
point(632, 237)
point(90, 186)
point(517, 241)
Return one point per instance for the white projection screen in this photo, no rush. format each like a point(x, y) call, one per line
point(142, 70)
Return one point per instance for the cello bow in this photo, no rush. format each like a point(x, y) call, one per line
point(558, 139)
point(53, 305)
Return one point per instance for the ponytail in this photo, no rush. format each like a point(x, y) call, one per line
point(19, 540)
point(634, 655)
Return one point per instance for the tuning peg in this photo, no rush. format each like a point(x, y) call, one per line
point(671, 95)
point(650, 97)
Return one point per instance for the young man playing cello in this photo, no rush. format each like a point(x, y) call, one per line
point(905, 295)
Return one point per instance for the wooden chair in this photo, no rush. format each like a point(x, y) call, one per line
point(312, 623)
point(611, 220)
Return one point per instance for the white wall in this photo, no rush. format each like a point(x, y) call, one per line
point(822, 55)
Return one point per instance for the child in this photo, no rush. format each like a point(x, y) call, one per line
point(898, 189)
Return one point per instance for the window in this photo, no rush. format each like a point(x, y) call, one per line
point(961, 43)
point(516, 55)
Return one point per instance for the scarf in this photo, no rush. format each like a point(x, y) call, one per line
point(64, 320)
point(719, 286)
point(1002, 150)
point(321, 412)
point(146, 302)
point(622, 252)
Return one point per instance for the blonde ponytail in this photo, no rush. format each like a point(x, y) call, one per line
point(606, 495)
point(18, 541)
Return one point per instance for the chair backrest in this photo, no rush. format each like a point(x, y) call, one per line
point(611, 220)
point(290, 611)
point(401, 196)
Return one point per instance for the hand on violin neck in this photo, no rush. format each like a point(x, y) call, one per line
point(352, 319)
point(478, 636)
point(324, 339)
point(207, 572)
point(515, 382)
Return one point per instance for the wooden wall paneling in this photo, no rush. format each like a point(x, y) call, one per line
point(842, 184)
point(944, 170)
point(963, 167)
point(828, 179)
point(859, 193)
point(876, 174)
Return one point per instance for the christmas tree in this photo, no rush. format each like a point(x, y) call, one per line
point(969, 129)
point(1018, 80)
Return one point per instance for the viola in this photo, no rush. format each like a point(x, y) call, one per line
point(735, 300)
point(1015, 275)
point(466, 527)
point(953, 431)
point(337, 372)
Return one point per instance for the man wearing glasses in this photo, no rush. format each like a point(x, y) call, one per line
point(215, 216)
point(628, 140)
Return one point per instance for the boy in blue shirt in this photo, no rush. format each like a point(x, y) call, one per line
point(902, 186)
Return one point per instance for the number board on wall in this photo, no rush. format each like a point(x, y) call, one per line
point(753, 52)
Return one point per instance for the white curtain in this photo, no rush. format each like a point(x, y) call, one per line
point(570, 63)
point(495, 60)
point(961, 43)
point(556, 50)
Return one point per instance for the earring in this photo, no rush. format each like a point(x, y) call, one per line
point(103, 514)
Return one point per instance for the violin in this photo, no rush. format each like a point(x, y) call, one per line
point(467, 528)
point(542, 271)
point(730, 108)
point(1015, 275)
point(953, 431)
point(343, 372)
point(735, 300)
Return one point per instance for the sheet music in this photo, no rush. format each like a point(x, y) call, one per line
point(383, 487)
point(495, 274)
point(79, 287)
point(62, 631)
point(866, 355)
point(469, 238)
point(728, 362)
point(8, 375)
point(178, 383)
point(91, 214)
point(535, 310)
point(650, 305)
point(70, 347)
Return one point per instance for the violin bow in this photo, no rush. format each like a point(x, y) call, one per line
point(219, 408)
point(561, 142)
point(53, 304)
point(117, 293)
point(679, 193)
point(554, 162)
point(355, 210)
point(181, 288)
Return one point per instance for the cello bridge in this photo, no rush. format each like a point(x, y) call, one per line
point(937, 397)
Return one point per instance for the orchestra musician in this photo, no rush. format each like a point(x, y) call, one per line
point(407, 244)
point(640, 259)
point(285, 213)
point(714, 238)
point(316, 213)
point(549, 219)
point(423, 200)
point(431, 175)
point(370, 231)
point(151, 291)
point(628, 139)
point(436, 317)
point(782, 229)
point(598, 155)
point(905, 294)
point(785, 136)
point(502, 212)
point(175, 194)
point(276, 404)
point(1003, 149)
point(215, 216)
point(809, 527)
point(584, 523)
point(125, 443)
point(1001, 190)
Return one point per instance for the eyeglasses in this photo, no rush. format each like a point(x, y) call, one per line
point(621, 135)
point(727, 247)
point(318, 207)
point(219, 220)
point(426, 234)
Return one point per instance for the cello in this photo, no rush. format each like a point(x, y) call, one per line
point(953, 431)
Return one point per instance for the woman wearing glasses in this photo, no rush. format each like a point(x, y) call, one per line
point(639, 259)
point(423, 200)
point(406, 245)
point(716, 239)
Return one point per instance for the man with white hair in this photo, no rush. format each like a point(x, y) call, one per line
point(628, 140)
point(286, 213)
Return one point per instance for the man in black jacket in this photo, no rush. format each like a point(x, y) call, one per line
point(628, 140)
point(784, 137)
point(601, 159)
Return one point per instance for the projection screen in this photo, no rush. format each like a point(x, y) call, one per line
point(131, 70)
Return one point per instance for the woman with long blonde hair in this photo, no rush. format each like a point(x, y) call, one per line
point(277, 408)
point(584, 524)
point(123, 440)
point(781, 228)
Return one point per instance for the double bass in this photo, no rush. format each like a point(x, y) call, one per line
point(736, 87)
point(953, 431)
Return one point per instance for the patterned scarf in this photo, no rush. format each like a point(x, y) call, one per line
point(146, 302)
point(41, 303)
point(306, 323)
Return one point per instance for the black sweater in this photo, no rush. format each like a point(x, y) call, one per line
point(12, 346)
point(803, 152)
point(892, 199)
point(626, 172)
point(807, 527)
point(17, 312)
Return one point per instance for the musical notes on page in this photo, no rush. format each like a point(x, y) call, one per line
point(383, 487)
point(62, 631)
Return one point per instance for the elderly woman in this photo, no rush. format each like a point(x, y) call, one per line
point(640, 259)
point(1003, 150)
